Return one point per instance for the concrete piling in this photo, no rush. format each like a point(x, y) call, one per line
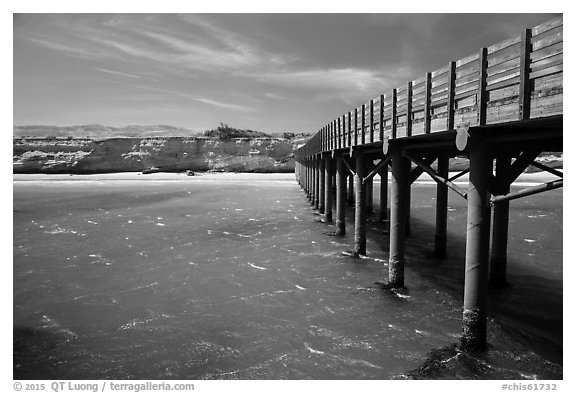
point(498, 255)
point(321, 184)
point(398, 211)
point(441, 209)
point(341, 175)
point(383, 214)
point(369, 196)
point(477, 248)
point(328, 190)
point(360, 206)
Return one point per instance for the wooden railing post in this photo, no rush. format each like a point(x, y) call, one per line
point(363, 124)
point(394, 112)
point(451, 93)
point(409, 109)
point(355, 126)
point(371, 121)
point(381, 120)
point(524, 92)
point(427, 102)
point(482, 92)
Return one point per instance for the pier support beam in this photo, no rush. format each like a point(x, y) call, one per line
point(498, 255)
point(316, 184)
point(351, 189)
point(341, 176)
point(477, 248)
point(408, 203)
point(328, 172)
point(441, 209)
point(308, 180)
point(360, 206)
point(398, 210)
point(369, 196)
point(322, 184)
point(383, 214)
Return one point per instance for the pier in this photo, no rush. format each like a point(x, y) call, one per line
point(500, 108)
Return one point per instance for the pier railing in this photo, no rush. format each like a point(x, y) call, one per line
point(516, 79)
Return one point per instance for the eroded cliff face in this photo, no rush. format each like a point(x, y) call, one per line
point(170, 154)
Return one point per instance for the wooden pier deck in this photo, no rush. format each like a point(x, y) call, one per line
point(500, 107)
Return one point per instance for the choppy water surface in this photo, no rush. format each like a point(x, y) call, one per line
point(229, 280)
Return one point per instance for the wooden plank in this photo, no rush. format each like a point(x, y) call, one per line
point(505, 83)
point(438, 103)
point(548, 33)
point(421, 100)
point(502, 45)
point(547, 52)
point(440, 97)
point(466, 60)
point(438, 110)
point(504, 56)
point(548, 25)
point(524, 77)
point(439, 71)
point(440, 81)
point(502, 113)
point(548, 41)
point(418, 81)
point(503, 93)
point(466, 94)
point(547, 83)
point(546, 106)
point(547, 62)
point(503, 76)
point(439, 90)
point(547, 71)
point(470, 69)
point(472, 78)
point(465, 102)
point(471, 86)
point(401, 108)
point(504, 66)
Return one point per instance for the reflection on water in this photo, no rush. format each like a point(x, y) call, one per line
point(229, 280)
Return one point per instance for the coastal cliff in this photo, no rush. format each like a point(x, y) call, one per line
point(168, 154)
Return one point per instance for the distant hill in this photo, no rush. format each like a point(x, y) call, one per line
point(100, 132)
point(97, 131)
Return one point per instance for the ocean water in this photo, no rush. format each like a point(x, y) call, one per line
point(236, 279)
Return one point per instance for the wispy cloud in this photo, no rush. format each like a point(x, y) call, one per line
point(225, 105)
point(344, 79)
point(119, 73)
point(203, 100)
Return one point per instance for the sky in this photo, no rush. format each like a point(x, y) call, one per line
point(268, 72)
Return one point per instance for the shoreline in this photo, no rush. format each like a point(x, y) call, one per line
point(525, 178)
